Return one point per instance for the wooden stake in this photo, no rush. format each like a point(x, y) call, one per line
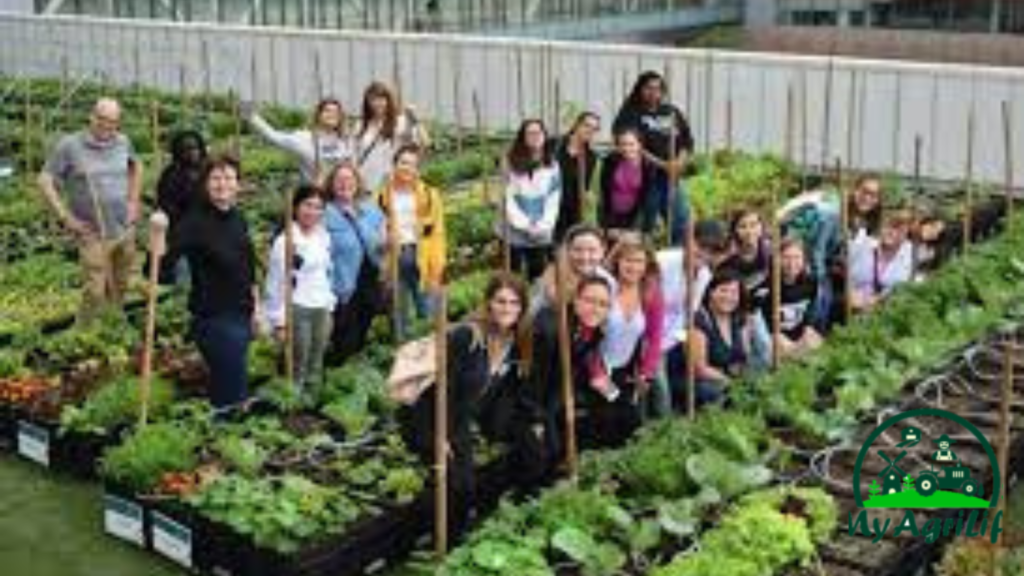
point(790, 113)
point(915, 252)
point(506, 245)
point(157, 248)
point(565, 357)
point(28, 132)
point(289, 316)
point(1008, 164)
point(844, 217)
point(826, 133)
point(520, 100)
point(457, 101)
point(236, 116)
point(690, 262)
point(968, 215)
point(441, 427)
point(1005, 418)
point(154, 130)
point(394, 272)
point(851, 118)
point(776, 276)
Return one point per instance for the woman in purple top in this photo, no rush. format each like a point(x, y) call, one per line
point(625, 183)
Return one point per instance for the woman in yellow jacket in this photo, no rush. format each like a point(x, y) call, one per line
point(416, 237)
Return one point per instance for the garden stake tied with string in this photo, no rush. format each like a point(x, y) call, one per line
point(441, 444)
point(158, 224)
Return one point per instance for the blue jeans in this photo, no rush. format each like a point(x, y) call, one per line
point(223, 341)
point(659, 202)
point(409, 290)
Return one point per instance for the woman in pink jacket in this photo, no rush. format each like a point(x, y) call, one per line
point(632, 348)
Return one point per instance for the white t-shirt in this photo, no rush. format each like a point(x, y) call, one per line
point(672, 264)
point(312, 276)
point(404, 213)
point(375, 154)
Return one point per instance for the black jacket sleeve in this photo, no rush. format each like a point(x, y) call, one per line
point(684, 136)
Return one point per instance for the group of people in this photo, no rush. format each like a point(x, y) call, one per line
point(364, 224)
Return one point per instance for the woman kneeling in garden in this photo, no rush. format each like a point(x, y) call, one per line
point(488, 359)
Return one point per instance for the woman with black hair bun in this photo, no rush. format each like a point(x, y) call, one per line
point(668, 141)
point(179, 189)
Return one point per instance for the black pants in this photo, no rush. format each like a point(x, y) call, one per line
point(530, 261)
point(352, 319)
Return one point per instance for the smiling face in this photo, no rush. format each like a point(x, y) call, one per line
point(652, 92)
point(330, 116)
point(535, 138)
point(725, 299)
point(749, 230)
point(587, 129)
point(944, 445)
point(222, 186)
point(591, 305)
point(345, 185)
point(894, 233)
point(310, 212)
point(629, 145)
point(792, 261)
point(632, 267)
point(407, 168)
point(867, 196)
point(105, 120)
point(379, 105)
point(505, 309)
point(586, 252)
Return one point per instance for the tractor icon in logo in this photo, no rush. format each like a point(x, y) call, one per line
point(958, 478)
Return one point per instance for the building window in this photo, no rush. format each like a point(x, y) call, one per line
point(857, 18)
point(812, 18)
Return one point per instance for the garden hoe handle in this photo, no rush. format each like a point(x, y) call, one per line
point(158, 224)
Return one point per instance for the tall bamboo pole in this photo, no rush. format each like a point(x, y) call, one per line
point(157, 248)
point(690, 262)
point(1006, 417)
point(154, 132)
point(844, 216)
point(916, 246)
point(289, 315)
point(441, 444)
point(776, 279)
point(1008, 164)
point(565, 361)
point(968, 215)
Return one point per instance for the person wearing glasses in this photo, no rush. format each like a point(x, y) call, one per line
point(587, 312)
point(93, 183)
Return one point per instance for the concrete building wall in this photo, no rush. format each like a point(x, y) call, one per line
point(867, 113)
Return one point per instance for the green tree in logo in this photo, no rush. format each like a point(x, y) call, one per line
point(908, 483)
point(874, 489)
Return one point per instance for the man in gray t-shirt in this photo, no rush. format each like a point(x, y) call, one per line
point(93, 182)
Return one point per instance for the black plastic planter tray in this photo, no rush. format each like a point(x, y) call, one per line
point(73, 453)
point(8, 427)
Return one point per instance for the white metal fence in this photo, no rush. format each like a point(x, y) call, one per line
point(868, 113)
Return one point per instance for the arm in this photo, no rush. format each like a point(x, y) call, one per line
point(59, 163)
point(654, 310)
point(275, 284)
point(552, 202)
point(703, 370)
point(291, 142)
point(684, 136)
point(134, 190)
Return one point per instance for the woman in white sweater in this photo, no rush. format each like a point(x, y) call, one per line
point(533, 197)
point(878, 266)
point(320, 148)
point(312, 297)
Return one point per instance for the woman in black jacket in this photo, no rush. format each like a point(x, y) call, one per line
point(214, 237)
point(577, 162)
point(592, 385)
point(488, 359)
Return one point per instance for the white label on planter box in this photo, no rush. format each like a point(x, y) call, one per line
point(34, 443)
point(123, 519)
point(172, 540)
